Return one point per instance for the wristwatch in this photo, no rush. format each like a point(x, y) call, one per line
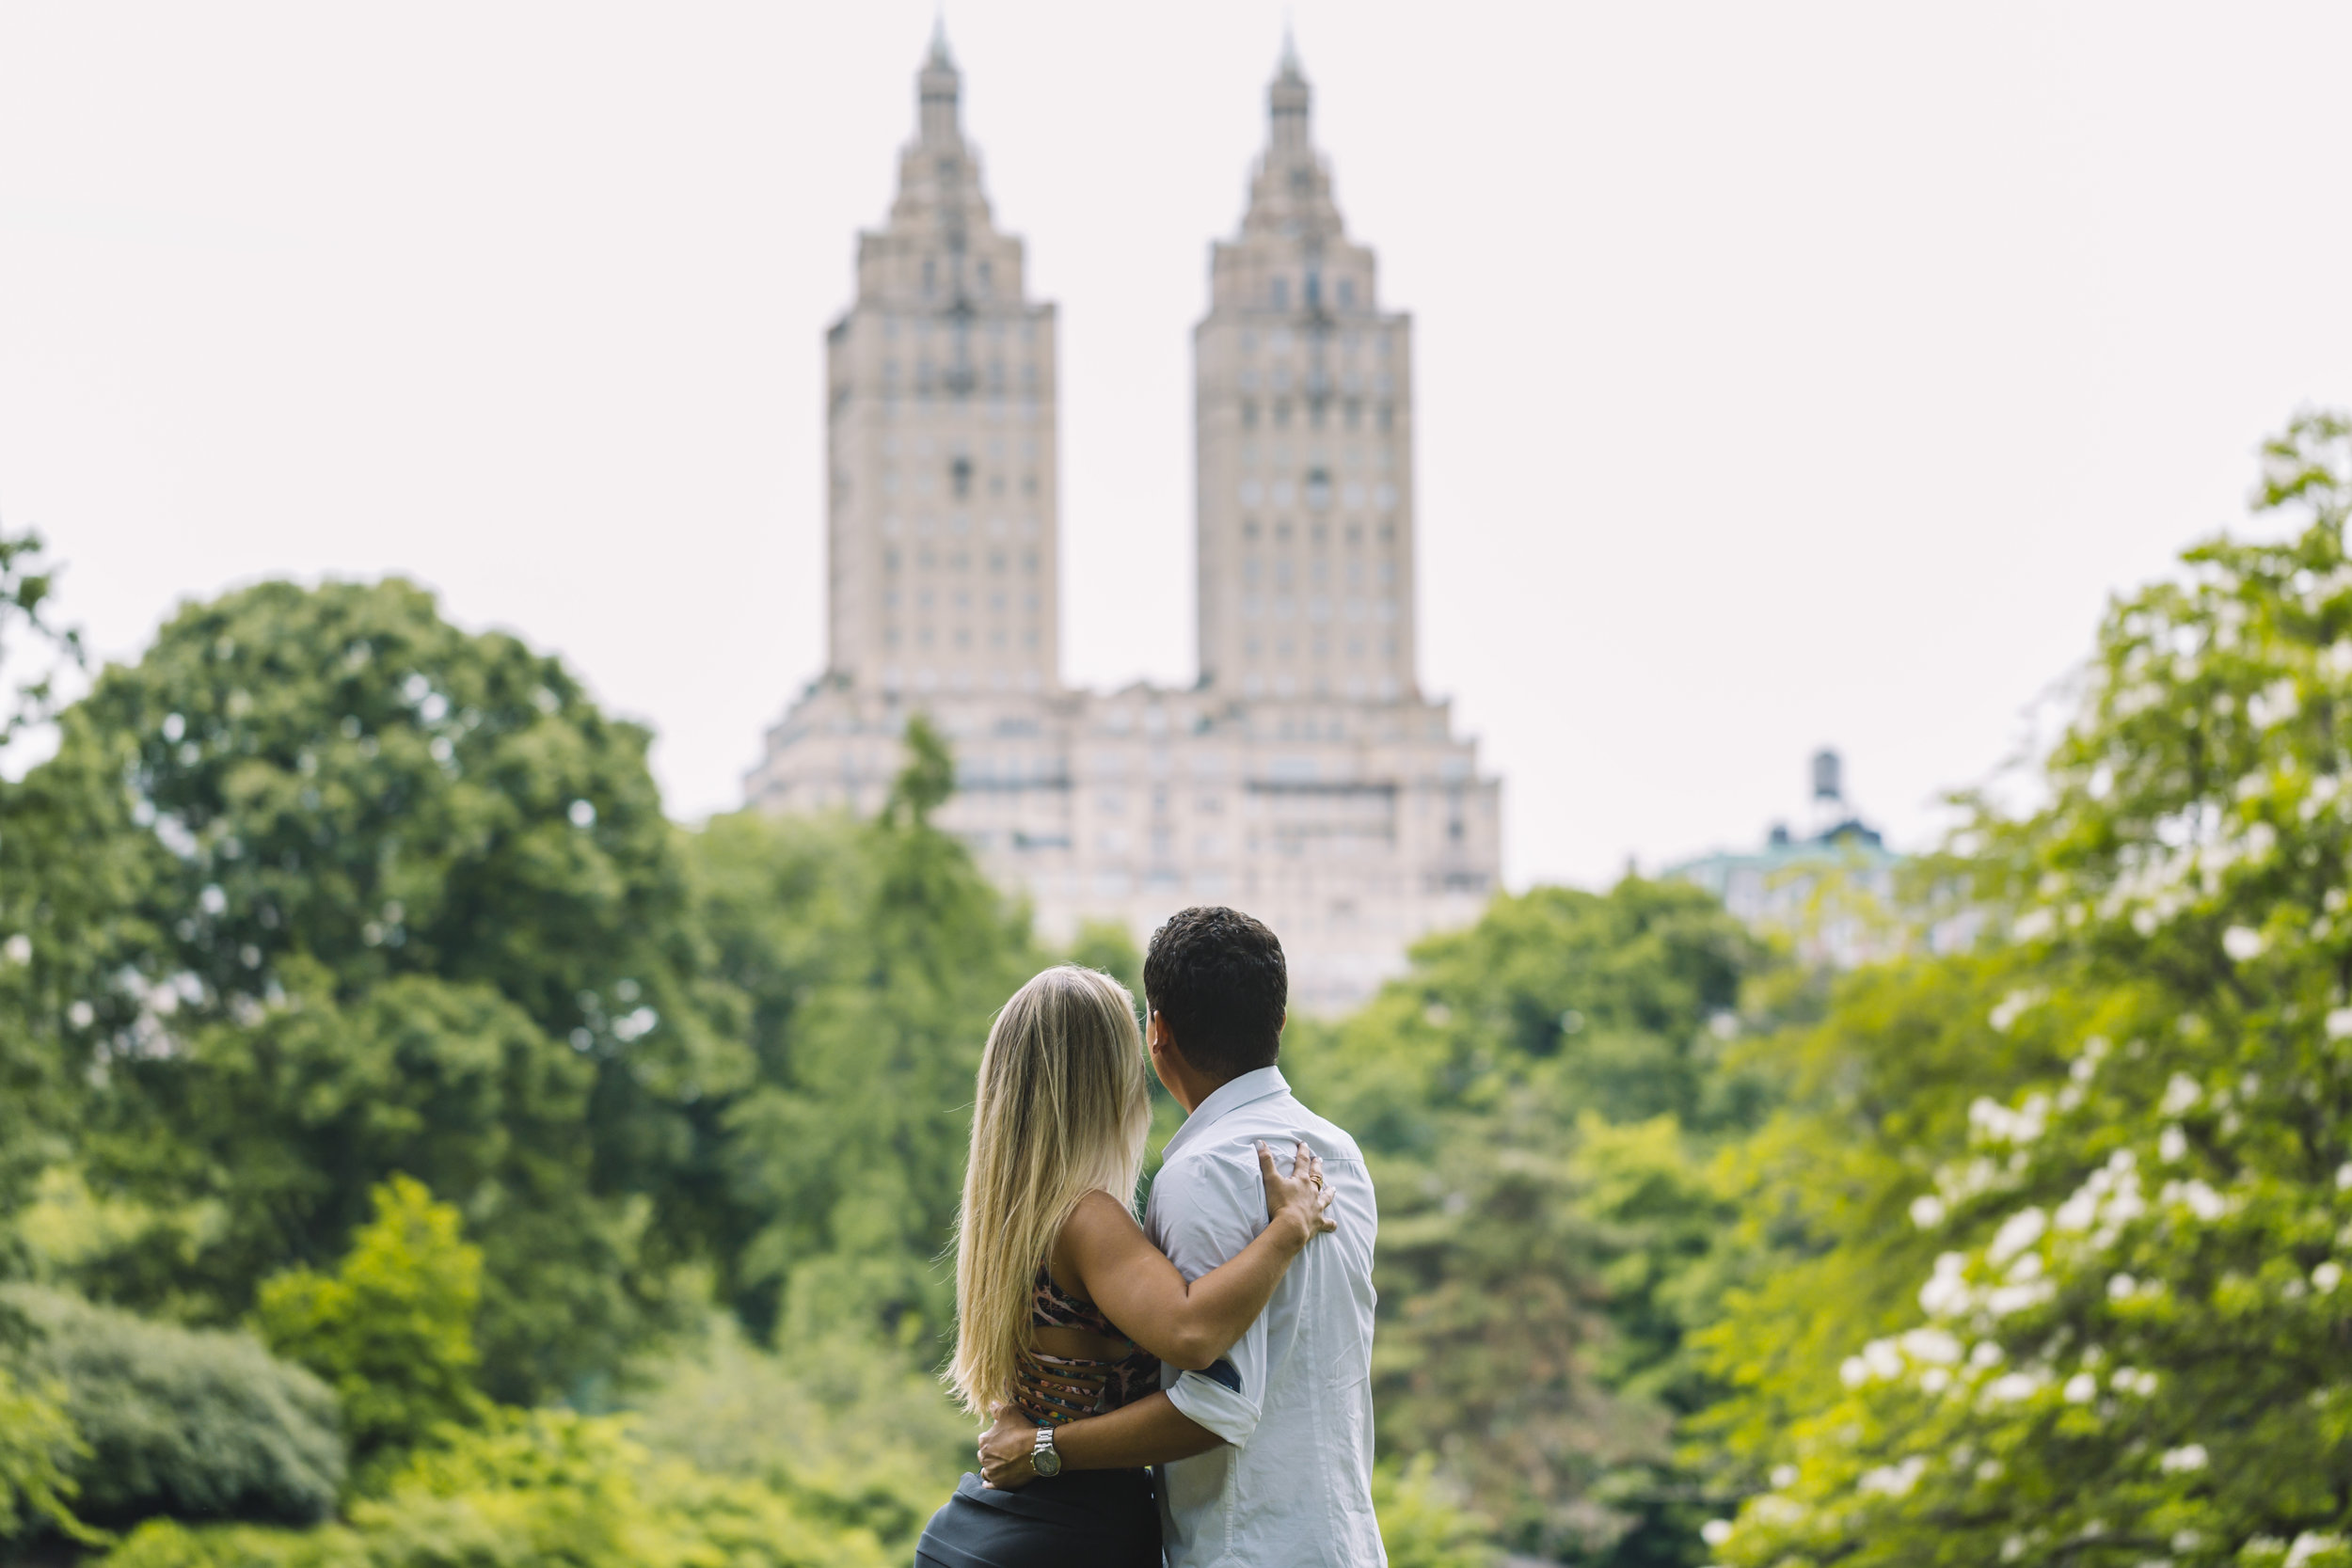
point(1043, 1458)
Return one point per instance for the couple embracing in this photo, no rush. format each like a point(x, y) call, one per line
point(1196, 1388)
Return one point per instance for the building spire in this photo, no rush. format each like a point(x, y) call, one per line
point(1287, 102)
point(937, 90)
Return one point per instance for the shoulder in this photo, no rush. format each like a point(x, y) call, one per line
point(1326, 1138)
point(1099, 1214)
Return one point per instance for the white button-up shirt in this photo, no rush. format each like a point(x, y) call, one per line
point(1292, 1400)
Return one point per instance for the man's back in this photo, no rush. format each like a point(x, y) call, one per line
point(1293, 1401)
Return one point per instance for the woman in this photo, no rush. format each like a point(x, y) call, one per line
point(1062, 1306)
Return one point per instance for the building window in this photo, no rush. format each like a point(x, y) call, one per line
point(1248, 413)
point(1348, 293)
point(928, 275)
point(1282, 294)
point(959, 476)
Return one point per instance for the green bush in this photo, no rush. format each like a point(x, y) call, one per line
point(168, 1543)
point(37, 1444)
point(393, 1329)
point(538, 1487)
point(1422, 1524)
point(847, 1424)
point(180, 1421)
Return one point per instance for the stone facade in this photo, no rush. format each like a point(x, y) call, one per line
point(1304, 777)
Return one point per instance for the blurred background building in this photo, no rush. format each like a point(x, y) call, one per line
point(1304, 776)
point(1828, 886)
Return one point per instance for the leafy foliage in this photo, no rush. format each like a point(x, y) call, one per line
point(38, 1447)
point(871, 977)
point(391, 1330)
point(1422, 1524)
point(179, 1421)
point(382, 895)
point(2133, 1345)
point(542, 1487)
point(1527, 1093)
point(848, 1426)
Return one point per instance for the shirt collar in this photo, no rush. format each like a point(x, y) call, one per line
point(1263, 1084)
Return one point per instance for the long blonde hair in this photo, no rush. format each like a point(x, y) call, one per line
point(1062, 1111)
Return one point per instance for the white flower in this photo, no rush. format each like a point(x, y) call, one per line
point(1932, 1346)
point(2080, 1389)
point(1715, 1531)
point(1895, 1480)
point(2339, 1023)
point(1927, 1211)
point(1854, 1371)
point(2010, 1005)
point(2018, 1232)
point(1784, 1477)
point(2310, 1544)
point(2327, 1276)
point(2006, 1299)
point(2121, 1287)
point(2180, 1093)
point(2242, 942)
point(2344, 1177)
point(2170, 1145)
point(18, 949)
point(1935, 1380)
point(2030, 927)
point(2129, 1380)
point(1882, 1358)
point(1985, 1355)
point(2181, 1461)
point(2203, 1200)
point(2011, 1386)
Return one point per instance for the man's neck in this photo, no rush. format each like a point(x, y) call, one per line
point(1191, 1088)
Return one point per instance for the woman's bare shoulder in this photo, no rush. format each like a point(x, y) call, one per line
point(1100, 1217)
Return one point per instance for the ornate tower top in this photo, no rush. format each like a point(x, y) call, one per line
point(937, 90)
point(940, 420)
point(1303, 409)
point(1290, 193)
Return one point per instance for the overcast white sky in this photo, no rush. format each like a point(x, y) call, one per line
point(1789, 374)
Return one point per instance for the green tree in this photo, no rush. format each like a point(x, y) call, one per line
point(391, 1329)
point(401, 898)
point(38, 1097)
point(1535, 1094)
point(846, 1155)
point(2131, 1345)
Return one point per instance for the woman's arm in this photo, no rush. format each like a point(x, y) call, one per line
point(1191, 1324)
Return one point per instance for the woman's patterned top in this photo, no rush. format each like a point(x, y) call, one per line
point(1052, 1389)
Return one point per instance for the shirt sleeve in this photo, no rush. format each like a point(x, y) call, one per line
point(1207, 1216)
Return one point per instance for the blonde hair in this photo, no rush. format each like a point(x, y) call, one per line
point(1062, 1111)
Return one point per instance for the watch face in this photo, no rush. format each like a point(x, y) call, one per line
point(1045, 1461)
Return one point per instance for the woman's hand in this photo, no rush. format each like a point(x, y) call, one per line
point(1303, 1198)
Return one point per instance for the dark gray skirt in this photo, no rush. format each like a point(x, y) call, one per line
point(1101, 1518)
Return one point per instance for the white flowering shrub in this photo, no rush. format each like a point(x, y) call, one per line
point(2136, 1349)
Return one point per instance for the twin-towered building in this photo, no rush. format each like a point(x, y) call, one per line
point(1304, 777)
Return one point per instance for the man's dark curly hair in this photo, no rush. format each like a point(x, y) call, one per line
point(1217, 978)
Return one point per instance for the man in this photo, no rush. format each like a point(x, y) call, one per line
point(1265, 1458)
